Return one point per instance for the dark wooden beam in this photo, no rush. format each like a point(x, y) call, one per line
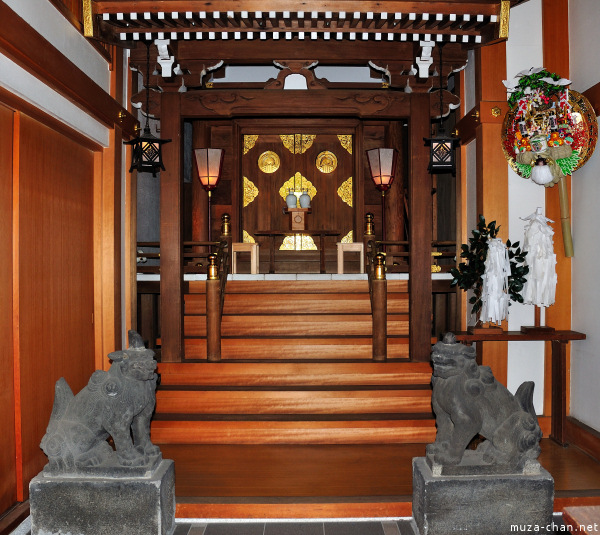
point(421, 234)
point(28, 49)
point(483, 7)
point(171, 231)
point(314, 103)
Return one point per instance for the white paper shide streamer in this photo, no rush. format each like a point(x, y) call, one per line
point(494, 292)
point(540, 288)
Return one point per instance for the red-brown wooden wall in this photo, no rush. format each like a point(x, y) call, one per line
point(47, 275)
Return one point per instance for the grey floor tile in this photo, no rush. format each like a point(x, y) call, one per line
point(197, 529)
point(182, 529)
point(252, 528)
point(294, 528)
point(408, 527)
point(353, 528)
point(391, 528)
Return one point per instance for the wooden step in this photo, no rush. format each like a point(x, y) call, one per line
point(296, 325)
point(296, 348)
point(269, 303)
point(287, 402)
point(298, 286)
point(293, 432)
point(295, 374)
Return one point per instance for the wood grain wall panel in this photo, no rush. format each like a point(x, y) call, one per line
point(56, 276)
point(8, 481)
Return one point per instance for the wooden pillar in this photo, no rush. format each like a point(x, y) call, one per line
point(171, 230)
point(200, 140)
point(492, 170)
point(421, 230)
point(395, 196)
point(555, 39)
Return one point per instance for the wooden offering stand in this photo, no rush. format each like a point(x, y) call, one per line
point(297, 217)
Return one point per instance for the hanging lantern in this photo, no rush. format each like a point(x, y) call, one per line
point(146, 149)
point(146, 153)
point(441, 156)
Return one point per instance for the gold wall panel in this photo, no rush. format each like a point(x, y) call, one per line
point(348, 238)
point(346, 141)
point(345, 191)
point(297, 143)
point(249, 142)
point(298, 242)
point(326, 162)
point(269, 162)
point(297, 183)
point(250, 191)
point(247, 238)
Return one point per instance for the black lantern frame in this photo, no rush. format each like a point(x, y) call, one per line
point(146, 149)
point(442, 156)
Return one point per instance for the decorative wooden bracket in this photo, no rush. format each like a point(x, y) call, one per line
point(303, 68)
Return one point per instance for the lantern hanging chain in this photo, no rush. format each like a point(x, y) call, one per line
point(147, 128)
point(441, 129)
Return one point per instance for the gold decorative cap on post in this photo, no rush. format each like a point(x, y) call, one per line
point(225, 225)
point(212, 272)
point(369, 225)
point(379, 273)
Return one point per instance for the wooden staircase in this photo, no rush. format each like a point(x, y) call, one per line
point(296, 370)
point(291, 320)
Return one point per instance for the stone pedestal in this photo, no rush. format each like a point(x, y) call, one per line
point(480, 504)
point(104, 505)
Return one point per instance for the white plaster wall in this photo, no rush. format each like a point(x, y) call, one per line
point(584, 19)
point(45, 19)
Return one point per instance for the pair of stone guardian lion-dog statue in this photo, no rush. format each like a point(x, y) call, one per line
point(466, 399)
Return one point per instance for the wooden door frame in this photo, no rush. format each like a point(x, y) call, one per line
point(329, 103)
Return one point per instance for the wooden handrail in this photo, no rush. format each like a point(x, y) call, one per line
point(216, 280)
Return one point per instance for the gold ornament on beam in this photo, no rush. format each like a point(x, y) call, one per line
point(345, 191)
point(250, 191)
point(326, 162)
point(348, 238)
point(297, 143)
point(249, 142)
point(346, 141)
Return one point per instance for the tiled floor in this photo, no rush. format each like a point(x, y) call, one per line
point(388, 527)
point(402, 526)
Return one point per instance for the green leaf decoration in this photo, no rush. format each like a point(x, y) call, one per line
point(568, 165)
point(524, 169)
point(468, 275)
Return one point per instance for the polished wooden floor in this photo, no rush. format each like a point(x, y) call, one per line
point(225, 474)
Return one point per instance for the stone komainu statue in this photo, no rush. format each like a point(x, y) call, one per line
point(467, 400)
point(118, 403)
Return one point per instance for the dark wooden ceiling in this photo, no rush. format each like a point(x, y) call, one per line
point(466, 22)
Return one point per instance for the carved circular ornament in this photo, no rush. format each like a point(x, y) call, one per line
point(268, 162)
point(326, 162)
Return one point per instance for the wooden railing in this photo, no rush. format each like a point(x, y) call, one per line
point(384, 255)
point(210, 257)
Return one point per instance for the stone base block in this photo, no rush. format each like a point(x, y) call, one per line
point(480, 504)
point(104, 505)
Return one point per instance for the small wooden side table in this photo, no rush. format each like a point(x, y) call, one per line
point(251, 248)
point(357, 247)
